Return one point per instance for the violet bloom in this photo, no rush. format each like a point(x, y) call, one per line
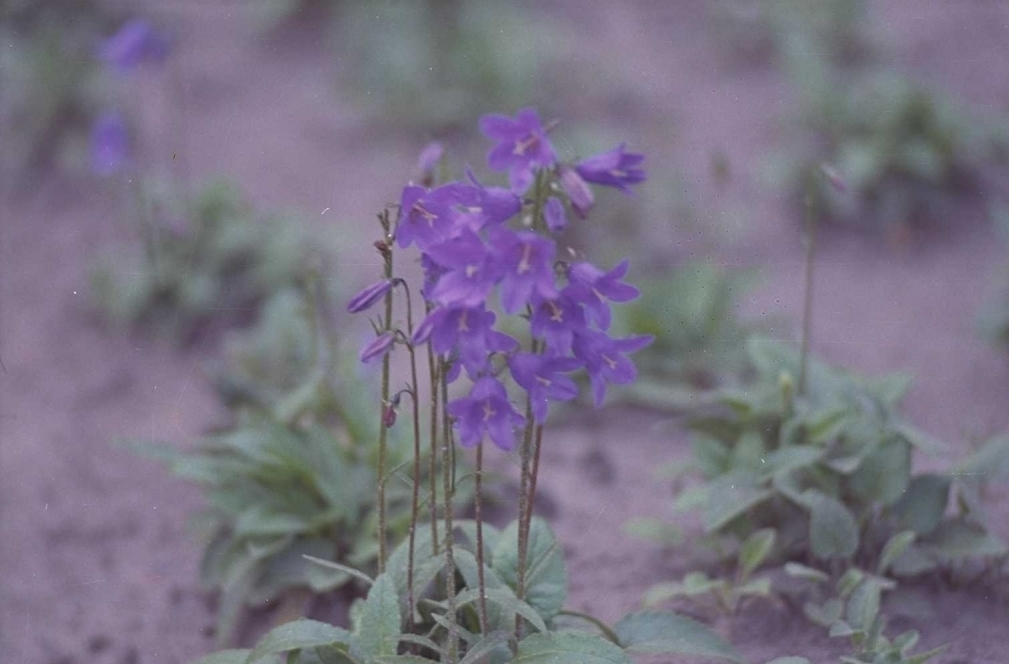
point(486, 411)
point(430, 156)
point(555, 321)
point(470, 273)
point(603, 357)
point(615, 168)
point(135, 42)
point(553, 213)
point(594, 288)
point(526, 263)
point(542, 376)
point(381, 345)
point(490, 206)
point(522, 146)
point(468, 330)
point(109, 144)
point(428, 217)
point(367, 298)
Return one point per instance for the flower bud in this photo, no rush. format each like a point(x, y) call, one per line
point(578, 191)
point(369, 296)
point(379, 347)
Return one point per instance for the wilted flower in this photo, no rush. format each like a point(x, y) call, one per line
point(109, 144)
point(614, 168)
point(378, 347)
point(486, 411)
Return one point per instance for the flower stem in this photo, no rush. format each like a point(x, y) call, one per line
point(415, 497)
point(447, 471)
point(435, 377)
point(383, 430)
point(477, 508)
point(523, 544)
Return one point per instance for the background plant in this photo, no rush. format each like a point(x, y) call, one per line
point(208, 258)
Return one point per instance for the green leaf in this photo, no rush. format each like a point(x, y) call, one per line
point(664, 632)
point(546, 581)
point(755, 550)
point(922, 506)
point(731, 496)
point(329, 564)
point(569, 648)
point(799, 571)
point(825, 615)
point(883, 475)
point(491, 537)
point(863, 604)
point(381, 621)
point(824, 426)
point(833, 532)
point(958, 538)
point(225, 657)
point(485, 646)
point(923, 657)
point(297, 635)
point(921, 440)
point(506, 599)
point(988, 462)
point(401, 659)
point(653, 530)
point(894, 548)
point(791, 659)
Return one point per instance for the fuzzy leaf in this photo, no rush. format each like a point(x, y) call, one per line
point(923, 504)
point(825, 615)
point(506, 599)
point(485, 646)
point(664, 632)
point(755, 550)
point(988, 462)
point(863, 604)
point(799, 571)
point(381, 621)
point(731, 496)
point(884, 474)
point(569, 648)
point(546, 575)
point(894, 548)
point(833, 532)
point(296, 635)
point(225, 657)
point(957, 538)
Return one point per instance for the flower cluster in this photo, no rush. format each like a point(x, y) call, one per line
point(470, 251)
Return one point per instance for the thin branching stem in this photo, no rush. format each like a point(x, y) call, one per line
point(477, 508)
point(383, 429)
point(447, 442)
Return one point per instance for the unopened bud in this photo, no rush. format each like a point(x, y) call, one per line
point(389, 416)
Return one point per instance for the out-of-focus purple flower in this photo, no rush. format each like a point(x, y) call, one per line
point(579, 193)
point(604, 359)
point(614, 168)
point(378, 347)
point(369, 296)
point(522, 146)
point(136, 42)
point(526, 263)
point(430, 156)
point(594, 288)
point(486, 411)
point(555, 321)
point(428, 217)
point(109, 144)
point(468, 330)
point(542, 376)
point(554, 215)
point(470, 273)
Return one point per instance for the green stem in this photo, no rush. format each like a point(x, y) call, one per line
point(433, 469)
point(603, 627)
point(477, 508)
point(447, 442)
point(383, 431)
point(807, 307)
point(415, 497)
point(523, 544)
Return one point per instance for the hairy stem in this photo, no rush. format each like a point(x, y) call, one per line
point(383, 430)
point(477, 508)
point(447, 471)
point(435, 375)
point(523, 543)
point(415, 496)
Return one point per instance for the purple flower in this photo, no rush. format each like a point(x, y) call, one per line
point(367, 298)
point(378, 347)
point(134, 43)
point(615, 168)
point(109, 144)
point(490, 206)
point(579, 194)
point(555, 320)
point(594, 288)
point(526, 263)
point(428, 217)
point(468, 330)
point(522, 146)
point(470, 273)
point(486, 411)
point(541, 376)
point(430, 156)
point(554, 215)
point(603, 357)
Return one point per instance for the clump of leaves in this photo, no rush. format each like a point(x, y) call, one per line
point(854, 612)
point(377, 632)
point(52, 83)
point(699, 340)
point(826, 462)
point(727, 594)
point(209, 258)
point(292, 475)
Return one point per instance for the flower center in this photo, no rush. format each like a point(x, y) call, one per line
point(463, 327)
point(424, 212)
point(611, 362)
point(530, 141)
point(545, 382)
point(524, 263)
point(470, 271)
point(488, 411)
point(557, 314)
point(617, 173)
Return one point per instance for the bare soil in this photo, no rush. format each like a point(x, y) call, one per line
point(95, 562)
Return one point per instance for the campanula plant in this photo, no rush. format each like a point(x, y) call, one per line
point(463, 590)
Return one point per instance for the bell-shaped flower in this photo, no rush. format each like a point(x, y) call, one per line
point(555, 320)
point(522, 146)
point(579, 193)
point(428, 216)
point(604, 359)
point(614, 168)
point(109, 144)
point(486, 411)
point(466, 330)
point(469, 273)
point(595, 289)
point(526, 263)
point(542, 376)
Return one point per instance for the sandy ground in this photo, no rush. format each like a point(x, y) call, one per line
point(95, 562)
